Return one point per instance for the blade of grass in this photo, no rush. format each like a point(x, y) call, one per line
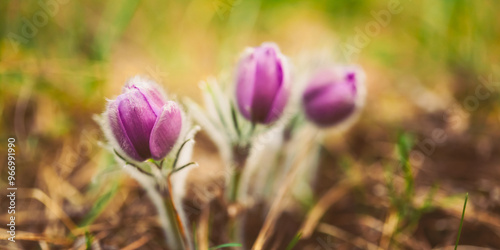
point(461, 221)
point(294, 241)
point(88, 240)
point(100, 205)
point(226, 245)
point(404, 146)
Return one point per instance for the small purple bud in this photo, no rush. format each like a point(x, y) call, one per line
point(333, 95)
point(143, 123)
point(262, 84)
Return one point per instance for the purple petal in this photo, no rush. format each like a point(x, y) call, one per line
point(278, 105)
point(166, 130)
point(138, 120)
point(119, 133)
point(245, 85)
point(150, 90)
point(268, 80)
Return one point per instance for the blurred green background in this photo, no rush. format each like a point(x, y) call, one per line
point(84, 51)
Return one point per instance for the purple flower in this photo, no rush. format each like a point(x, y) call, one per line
point(143, 123)
point(262, 84)
point(333, 95)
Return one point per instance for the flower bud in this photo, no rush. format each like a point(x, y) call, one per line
point(333, 95)
point(262, 84)
point(142, 122)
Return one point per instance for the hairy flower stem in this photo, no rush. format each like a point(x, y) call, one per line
point(174, 220)
point(239, 158)
point(235, 183)
point(165, 207)
point(234, 227)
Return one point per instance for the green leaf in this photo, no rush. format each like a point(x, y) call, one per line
point(179, 153)
point(184, 166)
point(226, 245)
point(235, 120)
point(405, 143)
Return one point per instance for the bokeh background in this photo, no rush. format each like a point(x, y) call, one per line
point(432, 75)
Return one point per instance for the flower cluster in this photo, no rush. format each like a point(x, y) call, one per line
point(263, 80)
point(144, 127)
